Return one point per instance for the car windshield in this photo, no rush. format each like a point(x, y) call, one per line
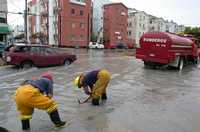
point(10, 48)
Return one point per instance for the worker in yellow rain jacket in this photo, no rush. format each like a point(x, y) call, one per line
point(94, 83)
point(38, 94)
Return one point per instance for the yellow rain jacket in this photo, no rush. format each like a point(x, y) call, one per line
point(28, 97)
point(97, 81)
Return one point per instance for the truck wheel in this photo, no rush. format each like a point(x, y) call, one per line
point(181, 64)
point(197, 60)
point(146, 64)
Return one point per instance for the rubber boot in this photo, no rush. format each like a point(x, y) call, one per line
point(25, 124)
point(95, 102)
point(55, 118)
point(104, 96)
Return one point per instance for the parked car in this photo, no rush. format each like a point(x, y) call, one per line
point(121, 46)
point(95, 45)
point(130, 46)
point(2, 47)
point(110, 46)
point(26, 56)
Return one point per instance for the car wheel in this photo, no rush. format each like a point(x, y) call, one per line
point(67, 62)
point(26, 65)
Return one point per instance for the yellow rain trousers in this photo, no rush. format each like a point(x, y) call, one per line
point(100, 86)
point(28, 97)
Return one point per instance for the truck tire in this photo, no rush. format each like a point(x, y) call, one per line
point(197, 59)
point(181, 63)
point(146, 64)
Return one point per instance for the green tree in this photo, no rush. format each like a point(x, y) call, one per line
point(93, 37)
point(193, 31)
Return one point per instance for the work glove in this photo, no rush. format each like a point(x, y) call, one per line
point(87, 90)
point(50, 95)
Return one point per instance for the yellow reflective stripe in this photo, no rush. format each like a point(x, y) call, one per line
point(51, 109)
point(25, 117)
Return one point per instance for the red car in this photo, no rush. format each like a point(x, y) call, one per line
point(110, 46)
point(36, 55)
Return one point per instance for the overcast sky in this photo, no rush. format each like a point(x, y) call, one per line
point(186, 12)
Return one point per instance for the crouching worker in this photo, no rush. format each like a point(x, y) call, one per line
point(94, 84)
point(38, 94)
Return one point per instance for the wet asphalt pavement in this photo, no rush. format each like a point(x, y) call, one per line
point(139, 99)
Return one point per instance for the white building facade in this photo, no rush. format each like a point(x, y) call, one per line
point(157, 24)
point(138, 24)
point(171, 27)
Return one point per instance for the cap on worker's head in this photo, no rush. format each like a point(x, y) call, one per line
point(77, 81)
point(47, 75)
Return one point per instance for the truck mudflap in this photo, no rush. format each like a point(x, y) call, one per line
point(175, 62)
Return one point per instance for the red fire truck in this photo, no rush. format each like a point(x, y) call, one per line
point(162, 48)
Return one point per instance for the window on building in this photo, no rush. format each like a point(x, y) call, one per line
point(140, 18)
point(139, 33)
point(81, 13)
point(130, 24)
point(73, 25)
point(143, 26)
point(73, 11)
point(2, 20)
point(82, 25)
point(72, 37)
point(129, 32)
point(78, 1)
point(82, 37)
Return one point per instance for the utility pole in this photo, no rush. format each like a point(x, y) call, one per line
point(60, 22)
point(25, 22)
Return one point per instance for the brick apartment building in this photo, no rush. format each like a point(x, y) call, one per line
point(68, 24)
point(75, 23)
point(115, 24)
